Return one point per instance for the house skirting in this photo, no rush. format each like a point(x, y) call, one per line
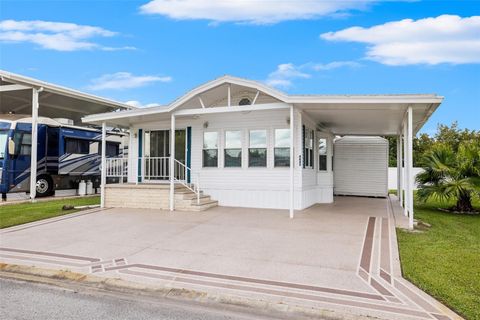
point(144, 196)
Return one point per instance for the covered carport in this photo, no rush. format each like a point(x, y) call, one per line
point(24, 95)
point(401, 116)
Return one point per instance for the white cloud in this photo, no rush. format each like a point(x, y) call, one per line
point(250, 11)
point(60, 36)
point(335, 65)
point(444, 39)
point(286, 73)
point(283, 76)
point(124, 80)
point(138, 104)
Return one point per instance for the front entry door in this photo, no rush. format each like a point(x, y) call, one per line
point(157, 153)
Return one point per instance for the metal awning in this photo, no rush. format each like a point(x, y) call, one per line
point(54, 101)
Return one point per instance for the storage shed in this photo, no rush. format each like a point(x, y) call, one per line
point(361, 166)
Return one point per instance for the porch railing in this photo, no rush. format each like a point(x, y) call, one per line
point(117, 168)
point(185, 177)
point(156, 169)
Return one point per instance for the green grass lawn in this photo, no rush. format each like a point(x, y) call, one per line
point(15, 214)
point(444, 260)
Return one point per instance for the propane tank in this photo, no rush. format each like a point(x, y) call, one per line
point(89, 187)
point(82, 188)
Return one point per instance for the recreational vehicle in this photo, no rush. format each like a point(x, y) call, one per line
point(66, 154)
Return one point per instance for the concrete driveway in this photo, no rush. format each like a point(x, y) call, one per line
point(340, 257)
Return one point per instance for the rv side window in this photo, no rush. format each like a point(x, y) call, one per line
point(23, 143)
point(112, 149)
point(77, 146)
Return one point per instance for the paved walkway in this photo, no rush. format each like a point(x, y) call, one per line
point(341, 257)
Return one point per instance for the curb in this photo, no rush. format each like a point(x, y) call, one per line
point(67, 279)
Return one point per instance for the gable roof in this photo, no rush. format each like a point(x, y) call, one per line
point(340, 112)
point(227, 79)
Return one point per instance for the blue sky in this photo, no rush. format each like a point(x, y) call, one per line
point(154, 51)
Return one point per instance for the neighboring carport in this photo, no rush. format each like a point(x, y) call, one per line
point(401, 116)
point(23, 95)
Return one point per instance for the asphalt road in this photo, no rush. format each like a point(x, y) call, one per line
point(26, 300)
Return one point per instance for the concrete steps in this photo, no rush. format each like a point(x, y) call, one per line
point(155, 196)
point(186, 200)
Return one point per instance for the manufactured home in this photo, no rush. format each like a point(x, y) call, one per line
point(237, 142)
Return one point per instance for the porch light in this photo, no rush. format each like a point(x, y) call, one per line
point(205, 125)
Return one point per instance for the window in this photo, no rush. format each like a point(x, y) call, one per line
point(77, 146)
point(233, 148)
point(322, 154)
point(23, 143)
point(257, 151)
point(282, 148)
point(308, 152)
point(3, 143)
point(210, 149)
point(112, 149)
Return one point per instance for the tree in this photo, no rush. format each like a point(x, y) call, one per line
point(447, 135)
point(450, 174)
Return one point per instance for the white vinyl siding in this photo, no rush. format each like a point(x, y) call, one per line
point(361, 166)
point(256, 187)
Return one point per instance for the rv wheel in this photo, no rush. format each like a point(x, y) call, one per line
point(44, 186)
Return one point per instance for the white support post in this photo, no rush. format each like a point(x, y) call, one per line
point(172, 163)
point(103, 177)
point(410, 167)
point(34, 138)
point(400, 164)
point(292, 164)
point(229, 95)
point(405, 177)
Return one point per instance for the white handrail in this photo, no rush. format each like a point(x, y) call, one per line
point(182, 173)
point(117, 168)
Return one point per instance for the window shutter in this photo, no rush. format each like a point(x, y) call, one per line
point(140, 154)
point(303, 146)
point(189, 152)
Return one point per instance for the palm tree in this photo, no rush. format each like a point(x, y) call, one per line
point(449, 175)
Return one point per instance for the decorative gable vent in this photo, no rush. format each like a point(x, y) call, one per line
point(244, 102)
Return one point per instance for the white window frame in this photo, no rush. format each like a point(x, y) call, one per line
point(242, 151)
point(273, 147)
point(267, 148)
point(219, 132)
point(327, 139)
point(309, 161)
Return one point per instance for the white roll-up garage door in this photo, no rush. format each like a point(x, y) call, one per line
point(360, 166)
